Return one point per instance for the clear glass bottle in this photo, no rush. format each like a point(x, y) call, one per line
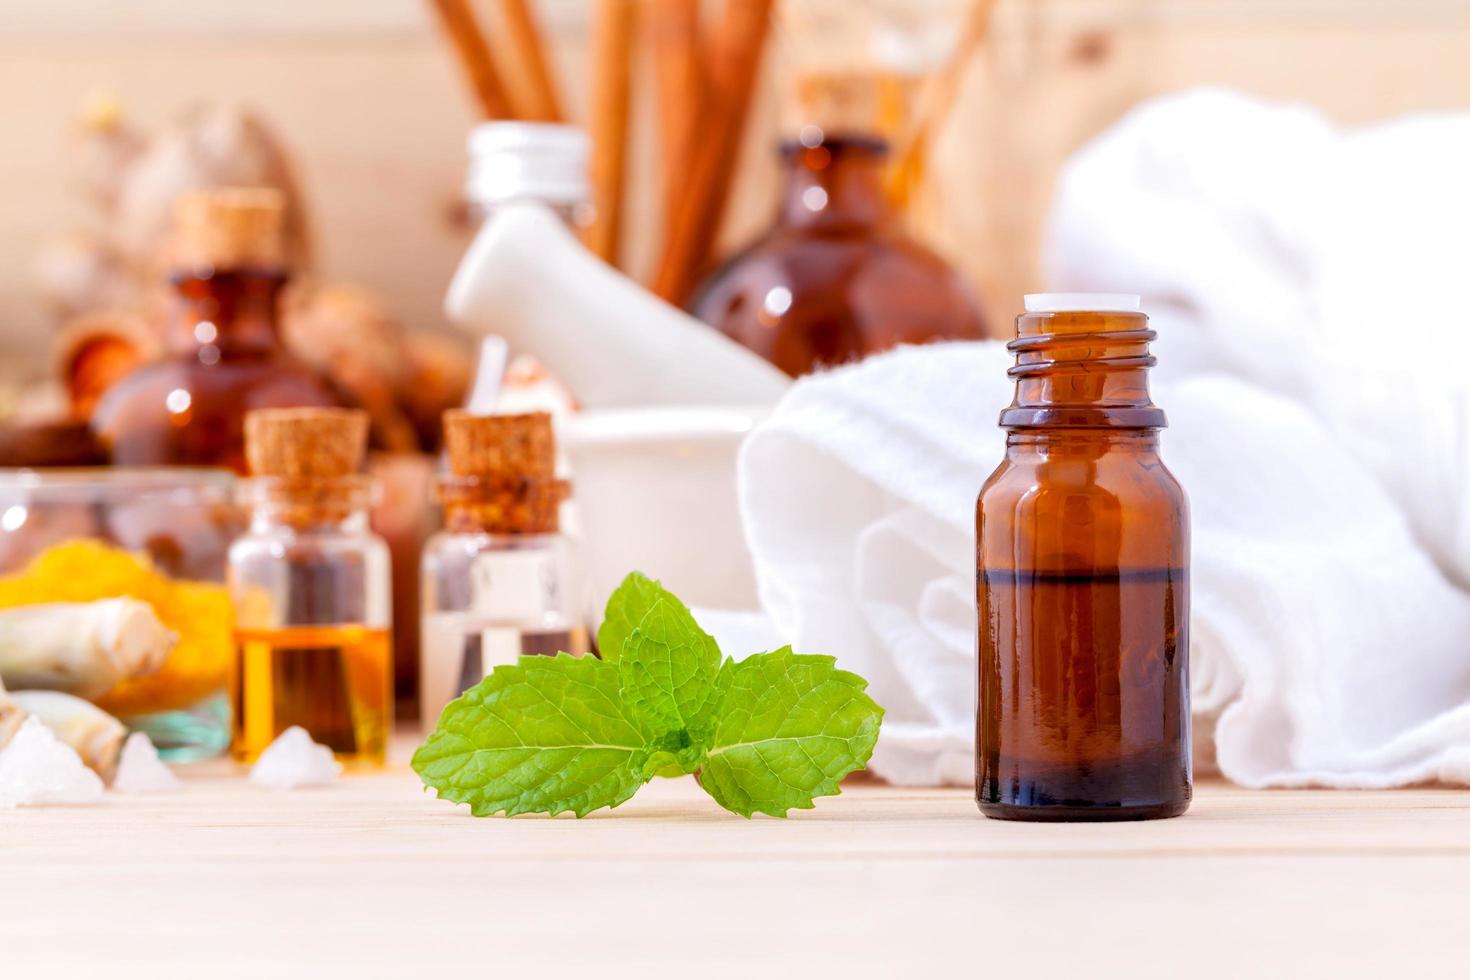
point(499, 582)
point(1082, 581)
point(224, 353)
point(312, 591)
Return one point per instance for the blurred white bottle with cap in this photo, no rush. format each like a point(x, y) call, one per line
point(519, 162)
point(528, 279)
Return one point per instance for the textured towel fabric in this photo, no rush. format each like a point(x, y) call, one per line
point(1318, 411)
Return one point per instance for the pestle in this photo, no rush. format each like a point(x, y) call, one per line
point(528, 279)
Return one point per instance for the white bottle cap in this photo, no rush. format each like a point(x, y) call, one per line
point(512, 161)
point(1083, 303)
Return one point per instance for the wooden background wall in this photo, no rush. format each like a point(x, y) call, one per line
point(367, 97)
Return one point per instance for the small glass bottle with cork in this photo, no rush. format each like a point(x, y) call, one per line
point(224, 352)
point(499, 581)
point(312, 587)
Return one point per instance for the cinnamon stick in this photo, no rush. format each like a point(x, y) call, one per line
point(939, 99)
point(475, 59)
point(612, 48)
point(674, 38)
point(535, 96)
point(694, 227)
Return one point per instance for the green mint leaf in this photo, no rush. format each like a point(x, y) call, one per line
point(626, 607)
point(665, 765)
point(788, 729)
point(668, 672)
point(681, 752)
point(555, 734)
point(547, 735)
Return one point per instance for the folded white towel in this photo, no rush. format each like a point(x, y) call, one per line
point(858, 498)
point(1326, 265)
point(1327, 478)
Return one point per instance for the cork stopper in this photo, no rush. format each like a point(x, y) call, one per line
point(503, 473)
point(504, 446)
point(305, 444)
point(230, 228)
point(845, 103)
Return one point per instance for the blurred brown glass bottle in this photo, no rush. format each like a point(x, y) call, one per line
point(836, 278)
point(224, 355)
point(1082, 553)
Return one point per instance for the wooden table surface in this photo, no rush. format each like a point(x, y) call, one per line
point(372, 877)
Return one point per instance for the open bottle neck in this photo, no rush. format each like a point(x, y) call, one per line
point(226, 311)
point(834, 181)
point(1082, 370)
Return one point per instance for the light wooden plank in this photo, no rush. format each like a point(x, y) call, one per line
point(224, 879)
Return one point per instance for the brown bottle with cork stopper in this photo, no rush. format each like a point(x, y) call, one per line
point(311, 586)
point(837, 277)
point(499, 582)
point(1082, 580)
point(224, 354)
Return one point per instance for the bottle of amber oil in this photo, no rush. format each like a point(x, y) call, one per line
point(1082, 580)
point(311, 587)
point(227, 256)
point(499, 582)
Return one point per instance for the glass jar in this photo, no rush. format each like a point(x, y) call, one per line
point(159, 535)
point(499, 582)
point(311, 584)
point(836, 277)
point(489, 599)
point(1082, 581)
point(224, 352)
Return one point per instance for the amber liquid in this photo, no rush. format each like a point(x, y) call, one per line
point(334, 681)
point(1084, 694)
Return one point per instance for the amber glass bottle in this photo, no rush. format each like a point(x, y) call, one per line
point(837, 277)
point(1082, 581)
point(224, 354)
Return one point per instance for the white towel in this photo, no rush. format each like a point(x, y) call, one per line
point(1329, 266)
point(1330, 644)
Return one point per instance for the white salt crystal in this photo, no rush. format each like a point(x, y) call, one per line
point(294, 760)
point(140, 770)
point(36, 768)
